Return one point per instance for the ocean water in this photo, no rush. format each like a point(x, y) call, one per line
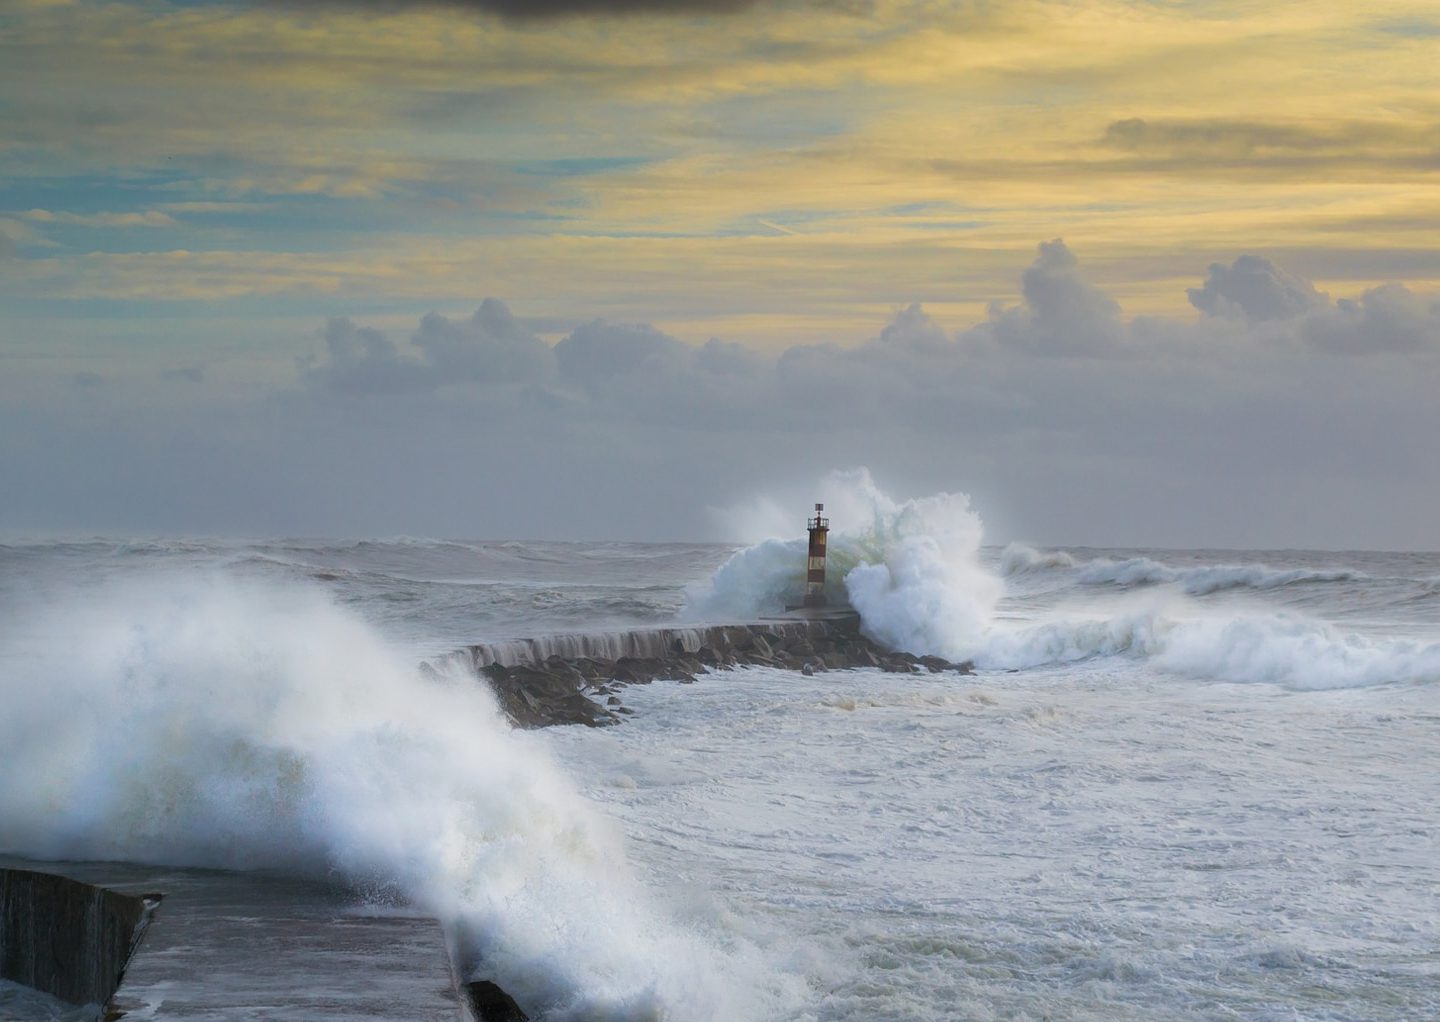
point(1181, 785)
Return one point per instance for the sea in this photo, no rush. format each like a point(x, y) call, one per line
point(1180, 785)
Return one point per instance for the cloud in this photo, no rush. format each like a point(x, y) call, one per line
point(1220, 138)
point(597, 352)
point(1218, 429)
point(186, 374)
point(910, 371)
point(1387, 319)
point(148, 218)
point(1256, 290)
point(362, 360)
point(488, 348)
point(562, 8)
point(1063, 313)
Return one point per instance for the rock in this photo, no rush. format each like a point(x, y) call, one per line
point(935, 664)
point(762, 647)
point(491, 1004)
point(632, 670)
point(964, 667)
point(808, 670)
point(613, 701)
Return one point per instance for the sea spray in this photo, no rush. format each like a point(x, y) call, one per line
point(910, 568)
point(913, 571)
point(204, 721)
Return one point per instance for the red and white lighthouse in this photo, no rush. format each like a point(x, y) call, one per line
point(815, 568)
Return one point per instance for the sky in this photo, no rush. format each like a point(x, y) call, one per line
point(1128, 272)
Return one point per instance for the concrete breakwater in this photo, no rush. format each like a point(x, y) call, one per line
point(577, 678)
point(226, 945)
point(68, 939)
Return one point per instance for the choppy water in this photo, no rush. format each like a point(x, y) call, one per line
point(1183, 784)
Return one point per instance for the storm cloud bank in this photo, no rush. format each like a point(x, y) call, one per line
point(1275, 416)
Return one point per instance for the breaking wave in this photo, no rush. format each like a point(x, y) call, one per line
point(1279, 649)
point(913, 570)
point(1017, 559)
point(215, 721)
point(1201, 581)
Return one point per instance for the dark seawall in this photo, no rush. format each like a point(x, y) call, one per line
point(659, 643)
point(69, 939)
point(243, 946)
point(576, 678)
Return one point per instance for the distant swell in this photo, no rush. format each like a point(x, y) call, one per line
point(1019, 560)
point(1201, 581)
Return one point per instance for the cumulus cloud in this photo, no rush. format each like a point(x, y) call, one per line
point(489, 347)
point(597, 352)
point(911, 370)
point(1230, 429)
point(362, 360)
point(1386, 319)
point(1256, 290)
point(1063, 313)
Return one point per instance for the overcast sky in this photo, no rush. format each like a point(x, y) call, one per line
point(1127, 272)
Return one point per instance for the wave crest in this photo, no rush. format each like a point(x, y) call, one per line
point(1206, 579)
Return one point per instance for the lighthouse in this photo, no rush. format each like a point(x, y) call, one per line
point(815, 568)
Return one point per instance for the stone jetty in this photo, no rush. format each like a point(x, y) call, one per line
point(578, 678)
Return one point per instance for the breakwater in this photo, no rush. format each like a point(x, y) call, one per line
point(229, 945)
point(577, 678)
point(66, 938)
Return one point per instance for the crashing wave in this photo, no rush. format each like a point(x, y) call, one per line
point(912, 569)
point(234, 723)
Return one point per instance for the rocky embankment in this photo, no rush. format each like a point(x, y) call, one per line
point(578, 679)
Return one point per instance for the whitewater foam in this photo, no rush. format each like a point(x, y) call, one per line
point(219, 722)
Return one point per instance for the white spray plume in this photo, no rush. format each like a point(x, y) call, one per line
point(911, 568)
point(207, 722)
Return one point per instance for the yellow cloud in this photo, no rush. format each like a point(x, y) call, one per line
point(920, 148)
